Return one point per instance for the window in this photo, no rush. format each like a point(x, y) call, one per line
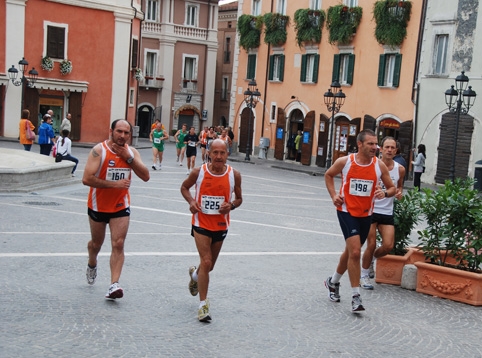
point(151, 10)
point(251, 70)
point(189, 71)
point(282, 7)
point(135, 51)
point(56, 42)
point(276, 67)
point(272, 116)
point(256, 8)
point(227, 50)
point(224, 88)
point(309, 68)
point(131, 97)
point(351, 3)
point(256, 11)
point(343, 66)
point(389, 70)
point(191, 15)
point(151, 64)
point(315, 4)
point(440, 54)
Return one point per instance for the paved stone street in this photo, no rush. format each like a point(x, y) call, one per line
point(267, 294)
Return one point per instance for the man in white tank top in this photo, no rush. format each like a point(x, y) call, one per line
point(382, 218)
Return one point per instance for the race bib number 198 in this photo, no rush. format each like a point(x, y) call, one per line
point(211, 204)
point(360, 187)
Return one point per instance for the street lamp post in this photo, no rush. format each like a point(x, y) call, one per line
point(251, 97)
point(459, 100)
point(334, 99)
point(23, 81)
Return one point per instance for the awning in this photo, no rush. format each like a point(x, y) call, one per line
point(61, 85)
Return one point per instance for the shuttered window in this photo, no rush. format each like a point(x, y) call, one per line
point(343, 67)
point(276, 67)
point(389, 70)
point(251, 70)
point(56, 42)
point(309, 68)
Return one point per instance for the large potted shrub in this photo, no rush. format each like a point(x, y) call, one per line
point(391, 17)
point(452, 243)
point(406, 213)
point(308, 25)
point(342, 22)
point(249, 29)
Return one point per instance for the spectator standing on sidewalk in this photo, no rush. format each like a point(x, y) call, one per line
point(382, 218)
point(108, 173)
point(22, 130)
point(46, 135)
point(360, 174)
point(66, 124)
point(419, 166)
point(215, 183)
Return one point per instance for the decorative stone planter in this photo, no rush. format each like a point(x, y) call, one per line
point(417, 255)
point(450, 283)
point(390, 268)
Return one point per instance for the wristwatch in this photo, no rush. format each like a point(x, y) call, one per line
point(233, 206)
point(130, 160)
point(386, 194)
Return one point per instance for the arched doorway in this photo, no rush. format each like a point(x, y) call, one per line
point(145, 118)
point(296, 124)
point(246, 127)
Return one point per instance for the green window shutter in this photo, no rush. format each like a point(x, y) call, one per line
point(271, 65)
point(381, 70)
point(316, 64)
point(351, 68)
point(251, 72)
point(396, 70)
point(281, 67)
point(335, 76)
point(303, 68)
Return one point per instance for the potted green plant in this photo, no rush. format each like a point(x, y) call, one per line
point(65, 67)
point(308, 25)
point(275, 28)
point(452, 243)
point(406, 212)
point(138, 74)
point(249, 29)
point(47, 64)
point(391, 17)
point(342, 22)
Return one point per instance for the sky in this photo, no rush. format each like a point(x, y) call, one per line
point(222, 2)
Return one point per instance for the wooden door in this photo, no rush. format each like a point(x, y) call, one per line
point(307, 140)
point(279, 146)
point(246, 117)
point(342, 131)
point(322, 141)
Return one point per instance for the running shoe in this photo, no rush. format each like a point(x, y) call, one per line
point(154, 167)
point(203, 313)
point(333, 290)
point(91, 275)
point(371, 274)
point(356, 304)
point(115, 291)
point(192, 284)
point(366, 283)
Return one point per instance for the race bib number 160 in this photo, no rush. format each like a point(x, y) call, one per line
point(114, 174)
point(360, 187)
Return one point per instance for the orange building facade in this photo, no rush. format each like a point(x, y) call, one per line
point(377, 80)
point(96, 37)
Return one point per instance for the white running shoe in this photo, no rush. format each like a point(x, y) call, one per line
point(203, 312)
point(366, 283)
point(115, 291)
point(356, 304)
point(91, 275)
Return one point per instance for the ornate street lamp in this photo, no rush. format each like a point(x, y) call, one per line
point(251, 97)
point(455, 98)
point(334, 100)
point(23, 81)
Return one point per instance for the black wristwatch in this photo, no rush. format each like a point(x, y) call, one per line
point(386, 194)
point(233, 206)
point(130, 160)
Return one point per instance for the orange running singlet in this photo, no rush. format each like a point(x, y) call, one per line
point(358, 186)
point(211, 191)
point(110, 200)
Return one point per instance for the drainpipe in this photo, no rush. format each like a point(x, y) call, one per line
point(206, 69)
point(130, 59)
point(266, 83)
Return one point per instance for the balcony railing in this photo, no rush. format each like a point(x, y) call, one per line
point(154, 82)
point(189, 85)
point(187, 32)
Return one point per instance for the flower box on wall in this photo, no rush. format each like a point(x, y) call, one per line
point(446, 282)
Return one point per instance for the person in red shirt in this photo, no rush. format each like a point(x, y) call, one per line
point(108, 173)
point(360, 175)
point(215, 184)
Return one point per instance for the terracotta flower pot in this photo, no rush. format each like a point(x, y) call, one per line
point(450, 283)
point(417, 255)
point(390, 268)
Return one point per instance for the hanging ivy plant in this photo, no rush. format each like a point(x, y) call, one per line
point(342, 22)
point(249, 29)
point(308, 25)
point(275, 28)
point(392, 19)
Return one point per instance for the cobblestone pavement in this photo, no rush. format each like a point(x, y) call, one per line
point(267, 294)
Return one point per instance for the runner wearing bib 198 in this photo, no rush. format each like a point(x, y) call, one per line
point(360, 174)
point(215, 183)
